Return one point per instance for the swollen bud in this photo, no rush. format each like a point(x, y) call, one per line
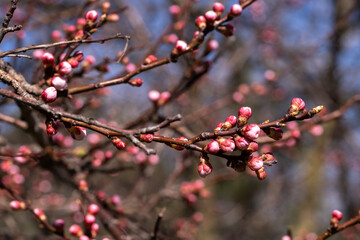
point(49, 95)
point(229, 123)
point(297, 105)
point(136, 82)
point(118, 143)
point(210, 16)
point(261, 174)
point(218, 8)
point(51, 127)
point(204, 167)
point(77, 132)
point(40, 214)
point(146, 137)
point(200, 22)
point(150, 59)
point(48, 59)
point(337, 214)
point(251, 131)
point(180, 46)
point(244, 114)
point(235, 10)
point(59, 225)
point(59, 82)
point(76, 230)
point(255, 163)
point(226, 145)
point(241, 143)
point(83, 186)
point(64, 68)
point(213, 147)
point(17, 205)
point(91, 16)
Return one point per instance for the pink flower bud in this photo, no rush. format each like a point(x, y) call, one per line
point(218, 126)
point(38, 54)
point(261, 174)
point(79, 56)
point(251, 131)
point(146, 137)
point(89, 219)
point(153, 159)
point(118, 143)
point(93, 209)
point(218, 7)
point(179, 147)
point(175, 10)
point(297, 105)
point(227, 145)
point(235, 10)
point(48, 59)
point(286, 237)
point(255, 163)
point(212, 45)
point(244, 114)
point(213, 147)
point(80, 23)
point(94, 229)
point(180, 46)
point(253, 146)
point(154, 95)
point(90, 59)
point(113, 17)
point(105, 6)
point(59, 225)
point(56, 35)
point(229, 123)
point(337, 214)
point(64, 68)
point(115, 200)
point(200, 22)
point(91, 16)
point(171, 38)
point(59, 82)
point(136, 82)
point(150, 59)
point(270, 75)
point(164, 97)
point(77, 132)
point(75, 230)
point(210, 16)
point(241, 143)
point(40, 214)
point(84, 237)
point(51, 127)
point(49, 94)
point(268, 157)
point(17, 205)
point(204, 168)
point(130, 67)
point(83, 186)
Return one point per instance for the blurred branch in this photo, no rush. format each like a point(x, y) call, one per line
point(5, 25)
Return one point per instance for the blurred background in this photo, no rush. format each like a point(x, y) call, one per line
point(279, 50)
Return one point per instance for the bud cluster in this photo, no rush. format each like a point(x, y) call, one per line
point(192, 191)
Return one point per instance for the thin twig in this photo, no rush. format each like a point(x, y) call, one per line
point(45, 46)
point(157, 224)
